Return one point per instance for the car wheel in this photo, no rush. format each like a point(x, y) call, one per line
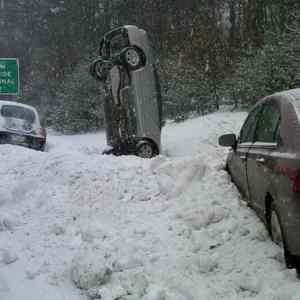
point(42, 147)
point(145, 149)
point(38, 146)
point(5, 139)
point(112, 151)
point(226, 168)
point(298, 271)
point(277, 233)
point(133, 58)
point(99, 69)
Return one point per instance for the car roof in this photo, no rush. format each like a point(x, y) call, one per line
point(130, 29)
point(294, 93)
point(4, 102)
point(291, 94)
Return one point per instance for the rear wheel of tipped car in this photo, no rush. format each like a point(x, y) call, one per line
point(146, 149)
point(133, 58)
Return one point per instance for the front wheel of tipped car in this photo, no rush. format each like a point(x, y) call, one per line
point(99, 69)
point(146, 149)
point(133, 58)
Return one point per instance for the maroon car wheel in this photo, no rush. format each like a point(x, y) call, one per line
point(277, 234)
point(278, 237)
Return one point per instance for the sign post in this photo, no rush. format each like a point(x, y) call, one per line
point(9, 76)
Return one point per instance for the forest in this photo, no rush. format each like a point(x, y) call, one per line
point(208, 52)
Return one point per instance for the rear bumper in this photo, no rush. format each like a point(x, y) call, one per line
point(30, 141)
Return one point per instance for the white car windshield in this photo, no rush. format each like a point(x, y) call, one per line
point(18, 112)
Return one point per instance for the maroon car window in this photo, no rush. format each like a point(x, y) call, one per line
point(268, 125)
point(248, 129)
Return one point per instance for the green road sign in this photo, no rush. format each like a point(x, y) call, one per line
point(9, 76)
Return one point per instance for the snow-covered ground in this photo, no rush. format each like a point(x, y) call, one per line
point(78, 225)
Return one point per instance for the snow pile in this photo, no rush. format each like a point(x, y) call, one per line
point(89, 272)
point(78, 225)
point(7, 257)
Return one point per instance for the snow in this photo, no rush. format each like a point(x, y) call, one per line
point(75, 224)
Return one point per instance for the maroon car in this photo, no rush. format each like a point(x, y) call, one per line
point(265, 165)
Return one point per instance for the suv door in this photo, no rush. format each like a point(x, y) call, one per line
point(259, 161)
point(238, 159)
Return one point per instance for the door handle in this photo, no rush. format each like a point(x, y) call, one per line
point(260, 160)
point(243, 157)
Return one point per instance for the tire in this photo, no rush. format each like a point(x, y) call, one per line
point(298, 271)
point(4, 140)
point(226, 168)
point(145, 149)
point(38, 146)
point(277, 234)
point(42, 147)
point(99, 69)
point(133, 58)
point(112, 151)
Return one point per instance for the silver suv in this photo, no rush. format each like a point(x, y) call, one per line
point(133, 107)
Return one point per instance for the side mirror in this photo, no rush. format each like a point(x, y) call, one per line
point(228, 140)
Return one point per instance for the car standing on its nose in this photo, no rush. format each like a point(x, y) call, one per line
point(20, 125)
point(133, 108)
point(265, 165)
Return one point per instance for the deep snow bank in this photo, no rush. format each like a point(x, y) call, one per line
point(171, 228)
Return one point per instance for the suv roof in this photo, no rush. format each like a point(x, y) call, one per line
point(4, 102)
point(295, 93)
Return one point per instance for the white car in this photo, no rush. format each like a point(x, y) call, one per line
point(20, 125)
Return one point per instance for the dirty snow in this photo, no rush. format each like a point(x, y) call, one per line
point(78, 225)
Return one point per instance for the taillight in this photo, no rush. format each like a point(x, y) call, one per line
point(292, 174)
point(42, 132)
point(296, 186)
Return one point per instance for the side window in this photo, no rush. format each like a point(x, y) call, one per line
point(268, 125)
point(248, 129)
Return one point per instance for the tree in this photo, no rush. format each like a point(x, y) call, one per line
point(205, 50)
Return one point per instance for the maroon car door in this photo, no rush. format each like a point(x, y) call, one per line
point(259, 161)
point(238, 159)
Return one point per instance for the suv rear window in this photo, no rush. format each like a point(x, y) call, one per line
point(18, 112)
